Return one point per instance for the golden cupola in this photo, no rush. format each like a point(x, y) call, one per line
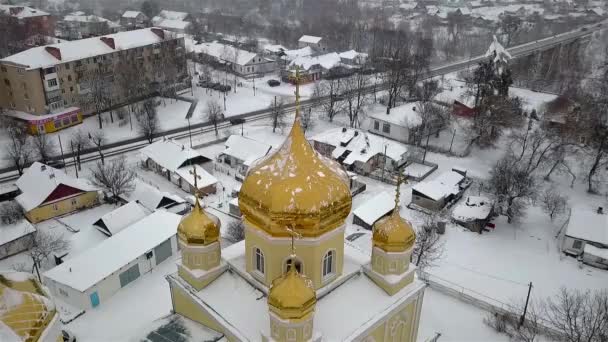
point(292, 296)
point(394, 233)
point(198, 227)
point(296, 187)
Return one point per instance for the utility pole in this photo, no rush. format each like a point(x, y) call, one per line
point(523, 317)
point(61, 149)
point(74, 156)
point(426, 147)
point(189, 133)
point(384, 167)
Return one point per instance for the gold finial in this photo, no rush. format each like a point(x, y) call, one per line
point(294, 235)
point(297, 93)
point(398, 190)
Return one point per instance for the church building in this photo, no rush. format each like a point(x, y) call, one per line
point(293, 278)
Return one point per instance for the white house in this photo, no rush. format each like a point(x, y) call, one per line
point(172, 21)
point(587, 227)
point(120, 218)
point(435, 194)
point(15, 237)
point(313, 68)
point(242, 62)
point(133, 19)
point(241, 152)
point(177, 162)
point(353, 58)
point(97, 274)
point(401, 124)
point(374, 209)
point(316, 43)
point(153, 199)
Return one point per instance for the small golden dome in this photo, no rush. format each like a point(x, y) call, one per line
point(296, 187)
point(198, 227)
point(394, 233)
point(292, 296)
point(26, 308)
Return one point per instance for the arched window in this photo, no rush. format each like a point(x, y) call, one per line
point(297, 264)
point(258, 260)
point(328, 263)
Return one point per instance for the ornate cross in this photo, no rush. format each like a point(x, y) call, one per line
point(398, 190)
point(196, 178)
point(294, 235)
point(297, 79)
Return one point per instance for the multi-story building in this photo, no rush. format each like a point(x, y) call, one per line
point(134, 20)
point(42, 84)
point(79, 25)
point(20, 23)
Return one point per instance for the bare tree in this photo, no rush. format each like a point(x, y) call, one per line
point(10, 212)
point(117, 177)
point(578, 316)
point(330, 90)
point(44, 245)
point(277, 114)
point(147, 120)
point(19, 149)
point(553, 203)
point(356, 97)
point(306, 119)
point(214, 114)
point(428, 248)
point(98, 139)
point(44, 146)
point(99, 95)
point(78, 142)
point(236, 231)
point(133, 85)
point(512, 185)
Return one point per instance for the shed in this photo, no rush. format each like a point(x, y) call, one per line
point(152, 198)
point(373, 209)
point(120, 218)
point(241, 152)
point(435, 194)
point(474, 214)
point(96, 275)
point(594, 256)
point(15, 238)
point(585, 226)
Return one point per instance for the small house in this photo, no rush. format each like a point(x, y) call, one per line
point(373, 210)
point(16, 237)
point(94, 276)
point(241, 152)
point(241, 62)
point(178, 22)
point(47, 192)
point(313, 68)
point(474, 214)
point(315, 43)
point(435, 194)
point(353, 58)
point(153, 199)
point(134, 20)
point(120, 218)
point(401, 124)
point(587, 227)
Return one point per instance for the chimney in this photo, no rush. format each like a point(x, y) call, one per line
point(159, 32)
point(343, 129)
point(109, 42)
point(600, 210)
point(55, 52)
point(42, 167)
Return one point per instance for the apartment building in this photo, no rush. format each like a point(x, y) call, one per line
point(42, 84)
point(20, 24)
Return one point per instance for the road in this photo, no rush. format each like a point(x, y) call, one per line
point(119, 147)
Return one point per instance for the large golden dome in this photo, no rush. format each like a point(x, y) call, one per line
point(393, 233)
point(292, 296)
point(25, 307)
point(295, 187)
point(198, 227)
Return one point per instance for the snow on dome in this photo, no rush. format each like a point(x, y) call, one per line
point(498, 52)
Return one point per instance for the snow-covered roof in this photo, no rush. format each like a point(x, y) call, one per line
point(131, 14)
point(12, 232)
point(309, 39)
point(474, 208)
point(21, 11)
point(39, 181)
point(501, 55)
point(344, 309)
point(327, 61)
point(407, 115)
point(120, 218)
point(225, 52)
point(171, 155)
point(274, 48)
point(446, 184)
point(39, 57)
point(352, 54)
point(172, 15)
point(93, 265)
point(596, 252)
point(293, 54)
point(171, 24)
point(204, 178)
point(152, 198)
point(244, 149)
point(586, 224)
point(375, 208)
point(361, 146)
point(87, 19)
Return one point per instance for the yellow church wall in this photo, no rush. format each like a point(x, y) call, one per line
point(183, 305)
point(68, 205)
point(288, 331)
point(310, 253)
point(202, 258)
point(396, 327)
point(197, 284)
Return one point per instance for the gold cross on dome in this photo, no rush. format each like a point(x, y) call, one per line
point(197, 192)
point(400, 181)
point(294, 235)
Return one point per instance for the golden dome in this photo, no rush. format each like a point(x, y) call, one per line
point(393, 233)
point(26, 307)
point(292, 296)
point(198, 228)
point(296, 187)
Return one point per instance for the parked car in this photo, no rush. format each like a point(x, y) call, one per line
point(273, 83)
point(204, 84)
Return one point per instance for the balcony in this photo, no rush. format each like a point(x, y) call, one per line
point(53, 94)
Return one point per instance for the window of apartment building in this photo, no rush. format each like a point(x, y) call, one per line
point(21, 71)
point(67, 66)
point(63, 91)
point(49, 70)
point(65, 103)
point(7, 82)
point(26, 96)
point(3, 68)
point(13, 105)
point(69, 78)
point(386, 128)
point(376, 125)
point(52, 82)
point(71, 89)
point(24, 85)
